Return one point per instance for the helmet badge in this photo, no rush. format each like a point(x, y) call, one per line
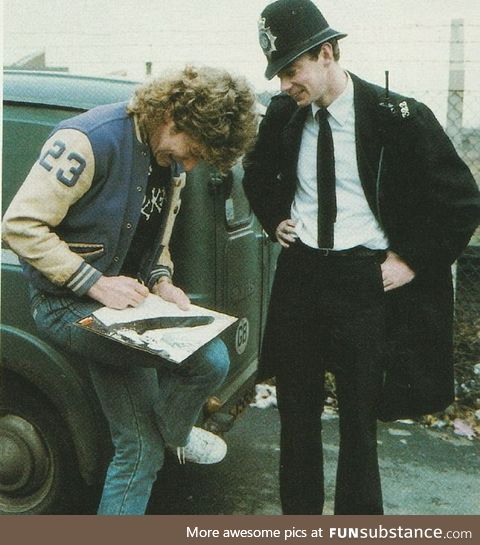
point(266, 38)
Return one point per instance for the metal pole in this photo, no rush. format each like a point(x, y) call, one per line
point(456, 91)
point(456, 83)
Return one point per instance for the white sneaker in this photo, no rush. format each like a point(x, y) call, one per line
point(203, 447)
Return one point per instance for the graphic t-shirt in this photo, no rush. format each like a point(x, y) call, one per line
point(150, 218)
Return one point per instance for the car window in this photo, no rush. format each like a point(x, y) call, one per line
point(237, 207)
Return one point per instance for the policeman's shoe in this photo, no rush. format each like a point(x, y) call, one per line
point(203, 447)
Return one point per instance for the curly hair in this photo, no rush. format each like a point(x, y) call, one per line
point(215, 109)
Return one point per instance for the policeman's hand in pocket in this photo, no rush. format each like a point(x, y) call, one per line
point(395, 272)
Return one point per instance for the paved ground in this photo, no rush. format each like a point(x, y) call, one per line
point(424, 472)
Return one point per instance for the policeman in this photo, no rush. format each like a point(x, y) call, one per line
point(371, 205)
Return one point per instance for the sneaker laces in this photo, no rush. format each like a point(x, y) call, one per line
point(203, 447)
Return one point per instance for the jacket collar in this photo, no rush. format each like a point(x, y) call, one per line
point(292, 138)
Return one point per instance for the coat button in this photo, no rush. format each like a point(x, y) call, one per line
point(139, 188)
point(116, 259)
point(129, 225)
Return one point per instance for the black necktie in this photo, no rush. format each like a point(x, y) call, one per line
point(327, 201)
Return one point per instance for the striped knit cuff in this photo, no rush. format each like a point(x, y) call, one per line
point(156, 274)
point(83, 279)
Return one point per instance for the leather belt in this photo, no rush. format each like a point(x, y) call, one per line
point(357, 251)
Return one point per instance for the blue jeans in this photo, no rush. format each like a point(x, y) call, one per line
point(148, 404)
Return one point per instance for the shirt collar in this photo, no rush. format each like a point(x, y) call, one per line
point(340, 109)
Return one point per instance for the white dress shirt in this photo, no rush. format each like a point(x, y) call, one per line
point(355, 225)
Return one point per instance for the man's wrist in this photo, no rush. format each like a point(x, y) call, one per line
point(159, 273)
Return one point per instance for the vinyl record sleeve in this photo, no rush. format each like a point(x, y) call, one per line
point(132, 327)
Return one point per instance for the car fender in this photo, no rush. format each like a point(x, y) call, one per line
point(47, 369)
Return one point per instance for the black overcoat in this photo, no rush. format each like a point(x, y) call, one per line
point(426, 201)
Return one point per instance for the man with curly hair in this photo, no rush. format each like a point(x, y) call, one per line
point(91, 224)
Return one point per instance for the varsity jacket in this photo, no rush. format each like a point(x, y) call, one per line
point(74, 217)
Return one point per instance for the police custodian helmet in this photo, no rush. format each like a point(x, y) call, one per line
point(289, 28)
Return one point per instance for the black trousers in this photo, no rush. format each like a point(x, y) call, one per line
point(330, 312)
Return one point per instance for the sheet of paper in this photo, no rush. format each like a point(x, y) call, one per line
point(152, 307)
point(175, 344)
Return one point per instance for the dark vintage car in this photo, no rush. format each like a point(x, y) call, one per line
point(53, 438)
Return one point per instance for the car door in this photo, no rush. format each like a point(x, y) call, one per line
point(242, 264)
